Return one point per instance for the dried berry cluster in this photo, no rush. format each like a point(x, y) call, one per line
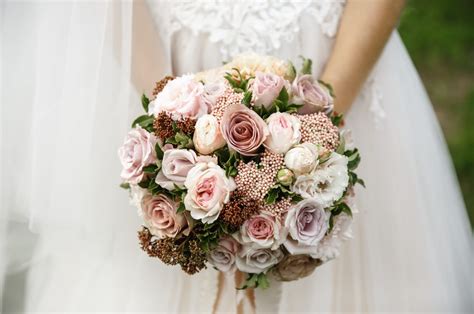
point(188, 254)
point(165, 126)
point(239, 209)
point(161, 84)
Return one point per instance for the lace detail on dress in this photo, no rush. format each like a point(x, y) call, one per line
point(373, 97)
point(241, 25)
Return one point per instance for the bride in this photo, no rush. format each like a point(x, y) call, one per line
point(73, 75)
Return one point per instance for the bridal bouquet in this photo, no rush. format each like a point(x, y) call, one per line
point(245, 167)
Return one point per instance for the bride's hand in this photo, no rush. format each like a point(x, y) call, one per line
point(364, 29)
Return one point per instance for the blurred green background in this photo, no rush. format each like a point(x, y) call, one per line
point(439, 34)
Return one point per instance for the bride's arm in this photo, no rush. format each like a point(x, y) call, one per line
point(148, 63)
point(364, 29)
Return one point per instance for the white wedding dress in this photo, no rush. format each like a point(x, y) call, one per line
point(70, 235)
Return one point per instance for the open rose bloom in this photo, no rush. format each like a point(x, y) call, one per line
point(242, 168)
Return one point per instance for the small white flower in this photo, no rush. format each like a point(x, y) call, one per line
point(327, 183)
point(329, 247)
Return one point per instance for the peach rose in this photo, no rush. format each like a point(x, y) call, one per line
point(159, 214)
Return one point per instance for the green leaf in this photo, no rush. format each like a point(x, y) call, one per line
point(328, 86)
point(159, 151)
point(150, 168)
point(342, 145)
point(307, 65)
point(143, 121)
point(262, 281)
point(144, 183)
point(291, 73)
point(272, 196)
point(283, 96)
point(181, 208)
point(125, 185)
point(337, 119)
point(145, 103)
point(247, 98)
point(345, 209)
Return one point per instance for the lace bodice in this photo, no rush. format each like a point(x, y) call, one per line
point(259, 26)
point(239, 26)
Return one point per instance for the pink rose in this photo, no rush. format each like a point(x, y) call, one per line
point(175, 167)
point(207, 135)
point(263, 230)
point(137, 151)
point(243, 129)
point(213, 91)
point(284, 132)
point(224, 255)
point(208, 190)
point(159, 214)
point(181, 97)
point(307, 223)
point(312, 95)
point(265, 88)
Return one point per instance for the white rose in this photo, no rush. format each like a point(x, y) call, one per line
point(302, 159)
point(208, 190)
point(257, 260)
point(284, 132)
point(207, 135)
point(327, 183)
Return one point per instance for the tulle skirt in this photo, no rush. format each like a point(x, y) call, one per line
point(412, 243)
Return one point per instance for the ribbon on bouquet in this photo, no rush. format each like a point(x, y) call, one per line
point(229, 299)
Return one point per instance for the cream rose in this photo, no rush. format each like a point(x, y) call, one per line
point(302, 159)
point(137, 151)
point(208, 190)
point(181, 97)
point(265, 88)
point(160, 217)
point(207, 135)
point(284, 130)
